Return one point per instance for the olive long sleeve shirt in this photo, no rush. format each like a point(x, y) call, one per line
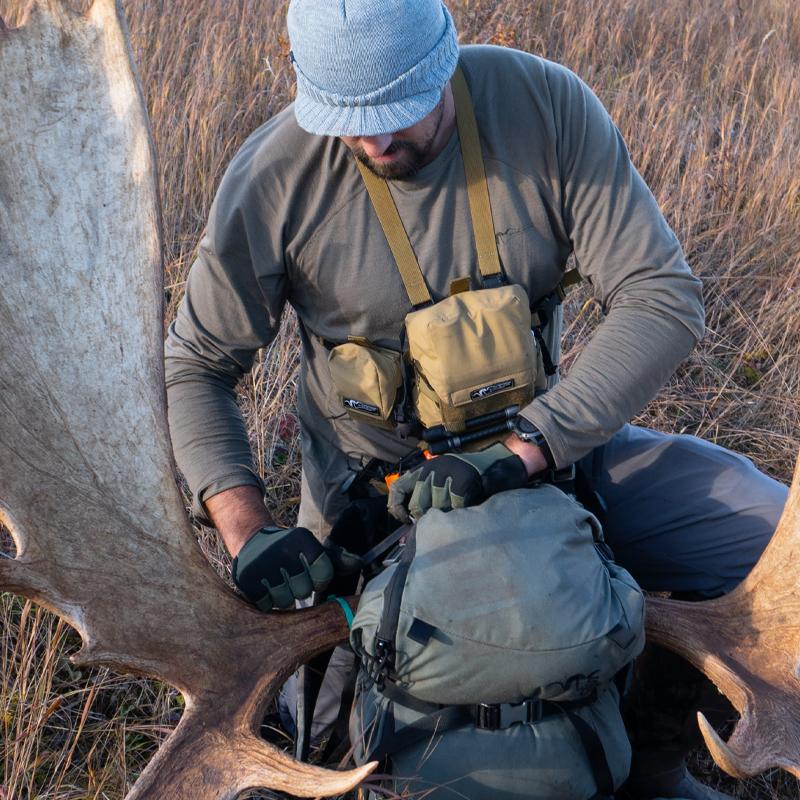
point(292, 222)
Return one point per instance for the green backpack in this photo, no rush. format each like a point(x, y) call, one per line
point(489, 650)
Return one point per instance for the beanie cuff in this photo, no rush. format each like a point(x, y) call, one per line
point(371, 120)
point(400, 104)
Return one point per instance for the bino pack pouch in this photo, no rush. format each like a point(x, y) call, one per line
point(473, 353)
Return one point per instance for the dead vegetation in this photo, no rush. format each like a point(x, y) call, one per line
point(707, 95)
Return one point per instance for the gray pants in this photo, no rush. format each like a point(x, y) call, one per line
point(682, 515)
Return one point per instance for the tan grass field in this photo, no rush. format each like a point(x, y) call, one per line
point(707, 95)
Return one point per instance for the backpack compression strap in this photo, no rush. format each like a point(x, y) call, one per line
point(438, 719)
point(382, 666)
point(477, 194)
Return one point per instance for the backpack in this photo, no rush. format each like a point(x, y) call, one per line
point(489, 650)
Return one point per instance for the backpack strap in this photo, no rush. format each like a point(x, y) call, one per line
point(595, 753)
point(382, 666)
point(339, 739)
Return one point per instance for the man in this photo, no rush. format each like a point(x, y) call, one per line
point(293, 222)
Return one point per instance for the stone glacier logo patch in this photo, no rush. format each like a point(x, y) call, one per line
point(492, 388)
point(359, 405)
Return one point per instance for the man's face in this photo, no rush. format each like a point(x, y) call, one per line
point(402, 153)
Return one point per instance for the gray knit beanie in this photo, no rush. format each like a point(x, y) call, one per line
point(366, 67)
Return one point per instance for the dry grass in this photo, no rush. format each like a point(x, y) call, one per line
point(707, 94)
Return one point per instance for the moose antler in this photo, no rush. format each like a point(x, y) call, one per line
point(748, 643)
point(86, 472)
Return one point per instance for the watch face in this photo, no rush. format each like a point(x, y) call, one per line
point(526, 428)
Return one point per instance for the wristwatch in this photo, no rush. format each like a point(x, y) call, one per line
point(528, 432)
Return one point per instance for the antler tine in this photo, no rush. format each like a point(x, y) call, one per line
point(21, 576)
point(86, 474)
point(195, 763)
point(748, 644)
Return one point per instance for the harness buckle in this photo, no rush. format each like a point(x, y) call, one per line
point(492, 281)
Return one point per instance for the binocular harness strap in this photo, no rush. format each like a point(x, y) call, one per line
point(477, 188)
point(396, 236)
point(479, 207)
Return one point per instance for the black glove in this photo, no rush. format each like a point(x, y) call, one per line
point(277, 566)
point(456, 480)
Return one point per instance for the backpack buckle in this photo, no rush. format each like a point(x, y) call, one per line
point(535, 710)
point(383, 651)
point(487, 717)
point(563, 479)
point(379, 665)
point(529, 711)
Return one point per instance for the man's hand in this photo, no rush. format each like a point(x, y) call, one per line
point(277, 566)
point(456, 480)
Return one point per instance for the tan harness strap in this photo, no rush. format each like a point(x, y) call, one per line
point(458, 285)
point(396, 236)
point(477, 194)
point(477, 189)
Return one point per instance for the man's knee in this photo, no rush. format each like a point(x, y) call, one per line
point(684, 514)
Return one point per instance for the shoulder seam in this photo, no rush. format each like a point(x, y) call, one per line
point(335, 212)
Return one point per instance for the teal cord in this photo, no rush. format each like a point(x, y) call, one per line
point(348, 612)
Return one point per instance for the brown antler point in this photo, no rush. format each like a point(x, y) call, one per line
point(723, 756)
point(309, 781)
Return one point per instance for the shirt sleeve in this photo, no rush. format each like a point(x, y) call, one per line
point(652, 304)
point(234, 298)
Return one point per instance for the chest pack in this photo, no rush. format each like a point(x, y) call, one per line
point(471, 356)
point(489, 653)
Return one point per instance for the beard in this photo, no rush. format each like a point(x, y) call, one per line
point(411, 159)
point(412, 156)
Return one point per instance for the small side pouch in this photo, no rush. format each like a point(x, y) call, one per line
point(367, 379)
